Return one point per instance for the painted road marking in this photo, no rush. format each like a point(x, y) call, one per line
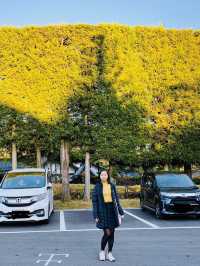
point(51, 258)
point(142, 220)
point(88, 209)
point(93, 230)
point(62, 221)
point(71, 210)
point(64, 229)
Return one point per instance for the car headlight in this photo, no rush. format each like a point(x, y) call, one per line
point(39, 197)
point(166, 200)
point(198, 195)
point(168, 195)
point(2, 199)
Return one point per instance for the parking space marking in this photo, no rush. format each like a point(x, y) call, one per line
point(75, 210)
point(51, 258)
point(88, 209)
point(84, 225)
point(62, 221)
point(94, 229)
point(30, 231)
point(142, 220)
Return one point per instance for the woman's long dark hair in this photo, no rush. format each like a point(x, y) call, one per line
point(107, 174)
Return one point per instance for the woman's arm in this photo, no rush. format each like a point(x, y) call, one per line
point(121, 212)
point(95, 202)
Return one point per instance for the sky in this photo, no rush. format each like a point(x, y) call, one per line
point(170, 13)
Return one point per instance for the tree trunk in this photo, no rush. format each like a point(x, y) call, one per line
point(126, 191)
point(87, 177)
point(38, 157)
point(166, 167)
point(188, 169)
point(64, 164)
point(14, 156)
point(14, 148)
point(110, 170)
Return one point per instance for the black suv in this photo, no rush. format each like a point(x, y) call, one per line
point(169, 194)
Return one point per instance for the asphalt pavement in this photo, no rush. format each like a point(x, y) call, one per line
point(71, 238)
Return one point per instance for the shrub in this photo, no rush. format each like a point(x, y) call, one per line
point(77, 191)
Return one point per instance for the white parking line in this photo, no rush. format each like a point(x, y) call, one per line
point(89, 209)
point(75, 210)
point(51, 258)
point(142, 220)
point(62, 221)
point(93, 230)
point(30, 231)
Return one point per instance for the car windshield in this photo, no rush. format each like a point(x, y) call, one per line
point(23, 180)
point(174, 180)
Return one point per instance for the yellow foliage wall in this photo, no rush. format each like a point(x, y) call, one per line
point(41, 67)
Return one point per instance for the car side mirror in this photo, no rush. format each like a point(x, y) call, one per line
point(49, 186)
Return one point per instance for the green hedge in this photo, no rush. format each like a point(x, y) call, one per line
point(77, 191)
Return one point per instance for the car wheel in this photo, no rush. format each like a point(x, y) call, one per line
point(53, 210)
point(142, 204)
point(46, 221)
point(158, 212)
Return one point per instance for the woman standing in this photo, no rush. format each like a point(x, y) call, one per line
point(107, 213)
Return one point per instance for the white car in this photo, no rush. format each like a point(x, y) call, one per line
point(26, 195)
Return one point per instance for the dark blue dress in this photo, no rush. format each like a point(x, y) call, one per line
point(110, 217)
point(107, 213)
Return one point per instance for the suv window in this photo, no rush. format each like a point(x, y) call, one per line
point(49, 177)
point(148, 181)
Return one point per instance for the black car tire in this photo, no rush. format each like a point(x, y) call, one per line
point(158, 213)
point(46, 221)
point(142, 204)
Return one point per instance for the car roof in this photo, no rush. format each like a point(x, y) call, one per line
point(164, 173)
point(170, 174)
point(28, 170)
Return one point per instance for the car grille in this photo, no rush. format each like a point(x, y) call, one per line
point(18, 205)
point(184, 201)
point(182, 205)
point(19, 214)
point(18, 201)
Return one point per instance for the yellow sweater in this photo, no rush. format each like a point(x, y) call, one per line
point(107, 192)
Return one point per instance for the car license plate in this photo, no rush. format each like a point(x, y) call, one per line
point(18, 209)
